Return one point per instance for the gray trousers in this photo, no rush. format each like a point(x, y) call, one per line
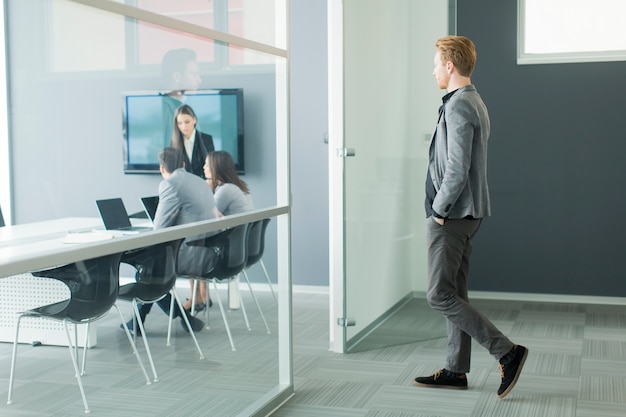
point(449, 250)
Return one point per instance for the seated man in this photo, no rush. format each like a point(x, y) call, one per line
point(183, 198)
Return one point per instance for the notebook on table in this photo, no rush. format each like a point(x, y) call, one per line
point(115, 217)
point(150, 206)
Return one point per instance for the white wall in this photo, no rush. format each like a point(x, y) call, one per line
point(309, 156)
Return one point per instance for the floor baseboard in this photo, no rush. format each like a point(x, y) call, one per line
point(550, 298)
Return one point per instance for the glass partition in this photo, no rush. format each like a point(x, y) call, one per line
point(72, 68)
point(249, 19)
point(68, 106)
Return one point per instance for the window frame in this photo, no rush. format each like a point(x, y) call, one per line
point(524, 58)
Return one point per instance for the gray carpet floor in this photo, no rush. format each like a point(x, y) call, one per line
point(576, 367)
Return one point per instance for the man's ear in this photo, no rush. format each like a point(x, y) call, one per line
point(449, 67)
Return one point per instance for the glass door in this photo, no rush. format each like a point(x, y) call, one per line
point(378, 162)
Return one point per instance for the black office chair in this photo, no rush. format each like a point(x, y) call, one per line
point(255, 241)
point(230, 247)
point(1, 218)
point(93, 286)
point(155, 278)
point(256, 247)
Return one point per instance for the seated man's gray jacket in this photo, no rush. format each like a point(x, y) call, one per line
point(186, 198)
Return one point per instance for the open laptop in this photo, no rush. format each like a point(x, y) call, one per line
point(115, 217)
point(150, 206)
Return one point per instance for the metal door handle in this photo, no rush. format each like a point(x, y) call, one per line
point(346, 152)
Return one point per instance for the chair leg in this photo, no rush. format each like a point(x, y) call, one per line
point(267, 277)
point(234, 299)
point(243, 309)
point(182, 311)
point(132, 344)
point(194, 288)
point(84, 364)
point(169, 324)
point(267, 328)
point(206, 308)
point(219, 303)
point(75, 364)
point(75, 342)
point(139, 323)
point(244, 313)
point(134, 333)
point(13, 360)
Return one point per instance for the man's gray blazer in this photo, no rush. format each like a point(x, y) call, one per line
point(186, 198)
point(458, 157)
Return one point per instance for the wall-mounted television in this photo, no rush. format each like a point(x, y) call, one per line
point(148, 124)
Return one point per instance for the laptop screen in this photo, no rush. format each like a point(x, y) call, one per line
point(150, 205)
point(113, 214)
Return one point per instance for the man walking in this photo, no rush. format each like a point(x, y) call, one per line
point(457, 199)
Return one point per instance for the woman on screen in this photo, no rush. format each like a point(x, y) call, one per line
point(194, 144)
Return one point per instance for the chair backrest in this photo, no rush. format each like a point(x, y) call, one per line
point(1, 218)
point(256, 241)
point(156, 269)
point(93, 285)
point(231, 249)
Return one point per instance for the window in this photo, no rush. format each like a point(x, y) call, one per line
point(76, 42)
point(80, 27)
point(553, 31)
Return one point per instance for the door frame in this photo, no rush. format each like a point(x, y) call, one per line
point(336, 165)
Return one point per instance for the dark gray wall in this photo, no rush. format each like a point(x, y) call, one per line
point(556, 166)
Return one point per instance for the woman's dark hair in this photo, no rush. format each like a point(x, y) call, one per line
point(223, 170)
point(177, 136)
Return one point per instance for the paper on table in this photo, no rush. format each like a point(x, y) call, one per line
point(86, 237)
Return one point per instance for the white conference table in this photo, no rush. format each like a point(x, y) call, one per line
point(34, 246)
point(38, 245)
point(22, 248)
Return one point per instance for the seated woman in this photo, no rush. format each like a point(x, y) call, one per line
point(231, 195)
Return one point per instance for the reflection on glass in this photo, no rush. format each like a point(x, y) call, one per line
point(249, 19)
point(76, 41)
point(381, 180)
point(75, 38)
point(73, 95)
point(151, 42)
